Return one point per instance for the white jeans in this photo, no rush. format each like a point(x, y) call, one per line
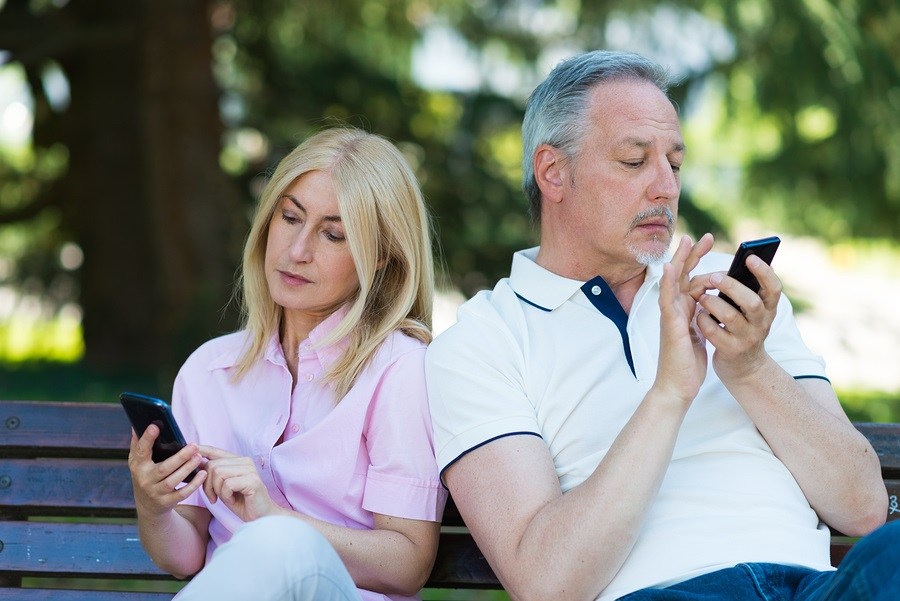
point(273, 558)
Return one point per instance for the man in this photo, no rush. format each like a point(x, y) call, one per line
point(599, 431)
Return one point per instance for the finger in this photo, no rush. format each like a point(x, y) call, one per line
point(187, 454)
point(185, 469)
point(769, 282)
point(144, 446)
point(214, 453)
point(188, 489)
point(243, 486)
point(209, 488)
point(698, 251)
point(712, 331)
point(681, 253)
point(668, 284)
point(175, 493)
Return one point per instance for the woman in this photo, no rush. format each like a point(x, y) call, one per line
point(316, 446)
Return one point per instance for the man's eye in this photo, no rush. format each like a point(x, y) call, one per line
point(633, 163)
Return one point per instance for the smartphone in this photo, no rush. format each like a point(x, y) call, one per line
point(144, 410)
point(765, 249)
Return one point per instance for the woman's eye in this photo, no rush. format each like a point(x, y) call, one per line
point(334, 237)
point(289, 218)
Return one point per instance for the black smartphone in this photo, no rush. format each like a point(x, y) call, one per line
point(765, 249)
point(144, 410)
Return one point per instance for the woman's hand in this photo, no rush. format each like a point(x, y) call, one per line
point(155, 491)
point(235, 481)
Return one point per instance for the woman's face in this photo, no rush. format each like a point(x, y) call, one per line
point(308, 265)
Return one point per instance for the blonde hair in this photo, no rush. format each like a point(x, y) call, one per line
point(388, 233)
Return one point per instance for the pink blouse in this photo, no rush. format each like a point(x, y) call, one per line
point(370, 453)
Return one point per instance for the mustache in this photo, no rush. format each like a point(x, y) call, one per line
point(655, 212)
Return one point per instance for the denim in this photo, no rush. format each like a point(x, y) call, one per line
point(869, 572)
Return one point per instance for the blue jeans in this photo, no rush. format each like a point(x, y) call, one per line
point(869, 572)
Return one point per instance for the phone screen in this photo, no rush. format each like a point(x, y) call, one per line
point(144, 410)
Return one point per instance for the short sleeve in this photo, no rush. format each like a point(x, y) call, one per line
point(402, 479)
point(786, 346)
point(182, 412)
point(476, 384)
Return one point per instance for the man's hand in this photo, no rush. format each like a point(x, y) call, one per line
point(235, 481)
point(682, 352)
point(740, 340)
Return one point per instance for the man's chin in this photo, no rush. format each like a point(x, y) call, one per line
point(651, 254)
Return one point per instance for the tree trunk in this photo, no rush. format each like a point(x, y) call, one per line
point(144, 195)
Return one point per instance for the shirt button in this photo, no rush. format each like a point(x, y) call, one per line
point(596, 290)
point(309, 377)
point(295, 428)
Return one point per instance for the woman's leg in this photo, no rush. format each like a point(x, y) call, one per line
point(273, 559)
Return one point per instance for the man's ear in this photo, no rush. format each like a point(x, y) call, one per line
point(548, 167)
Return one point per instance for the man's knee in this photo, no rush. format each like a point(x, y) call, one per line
point(881, 542)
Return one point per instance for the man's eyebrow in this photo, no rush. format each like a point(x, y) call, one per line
point(299, 205)
point(642, 143)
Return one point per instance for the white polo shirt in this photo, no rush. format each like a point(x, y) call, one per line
point(560, 359)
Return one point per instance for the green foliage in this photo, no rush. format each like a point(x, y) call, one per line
point(792, 109)
point(871, 406)
point(55, 381)
point(823, 81)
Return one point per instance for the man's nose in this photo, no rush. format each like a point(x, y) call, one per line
point(666, 185)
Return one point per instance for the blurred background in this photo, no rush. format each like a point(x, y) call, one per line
point(135, 136)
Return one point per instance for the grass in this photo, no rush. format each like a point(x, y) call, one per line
point(54, 381)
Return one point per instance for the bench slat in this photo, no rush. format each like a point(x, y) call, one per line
point(73, 550)
point(28, 428)
point(20, 594)
point(46, 428)
point(886, 440)
point(88, 487)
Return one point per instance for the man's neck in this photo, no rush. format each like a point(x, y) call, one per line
point(625, 280)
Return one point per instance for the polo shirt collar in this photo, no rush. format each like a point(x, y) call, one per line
point(537, 286)
point(548, 291)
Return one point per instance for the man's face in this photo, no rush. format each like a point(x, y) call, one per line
point(623, 187)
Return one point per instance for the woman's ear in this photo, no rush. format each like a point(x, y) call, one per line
point(548, 172)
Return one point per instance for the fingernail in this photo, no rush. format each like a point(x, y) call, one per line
point(716, 278)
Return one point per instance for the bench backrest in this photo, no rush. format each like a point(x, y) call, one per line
point(67, 460)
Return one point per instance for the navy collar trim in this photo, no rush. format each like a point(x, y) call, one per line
point(601, 296)
point(525, 300)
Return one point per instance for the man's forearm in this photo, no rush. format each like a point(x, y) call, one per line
point(805, 427)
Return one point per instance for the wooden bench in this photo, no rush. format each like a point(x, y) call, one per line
point(67, 511)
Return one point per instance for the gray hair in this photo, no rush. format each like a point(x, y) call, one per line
point(555, 111)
